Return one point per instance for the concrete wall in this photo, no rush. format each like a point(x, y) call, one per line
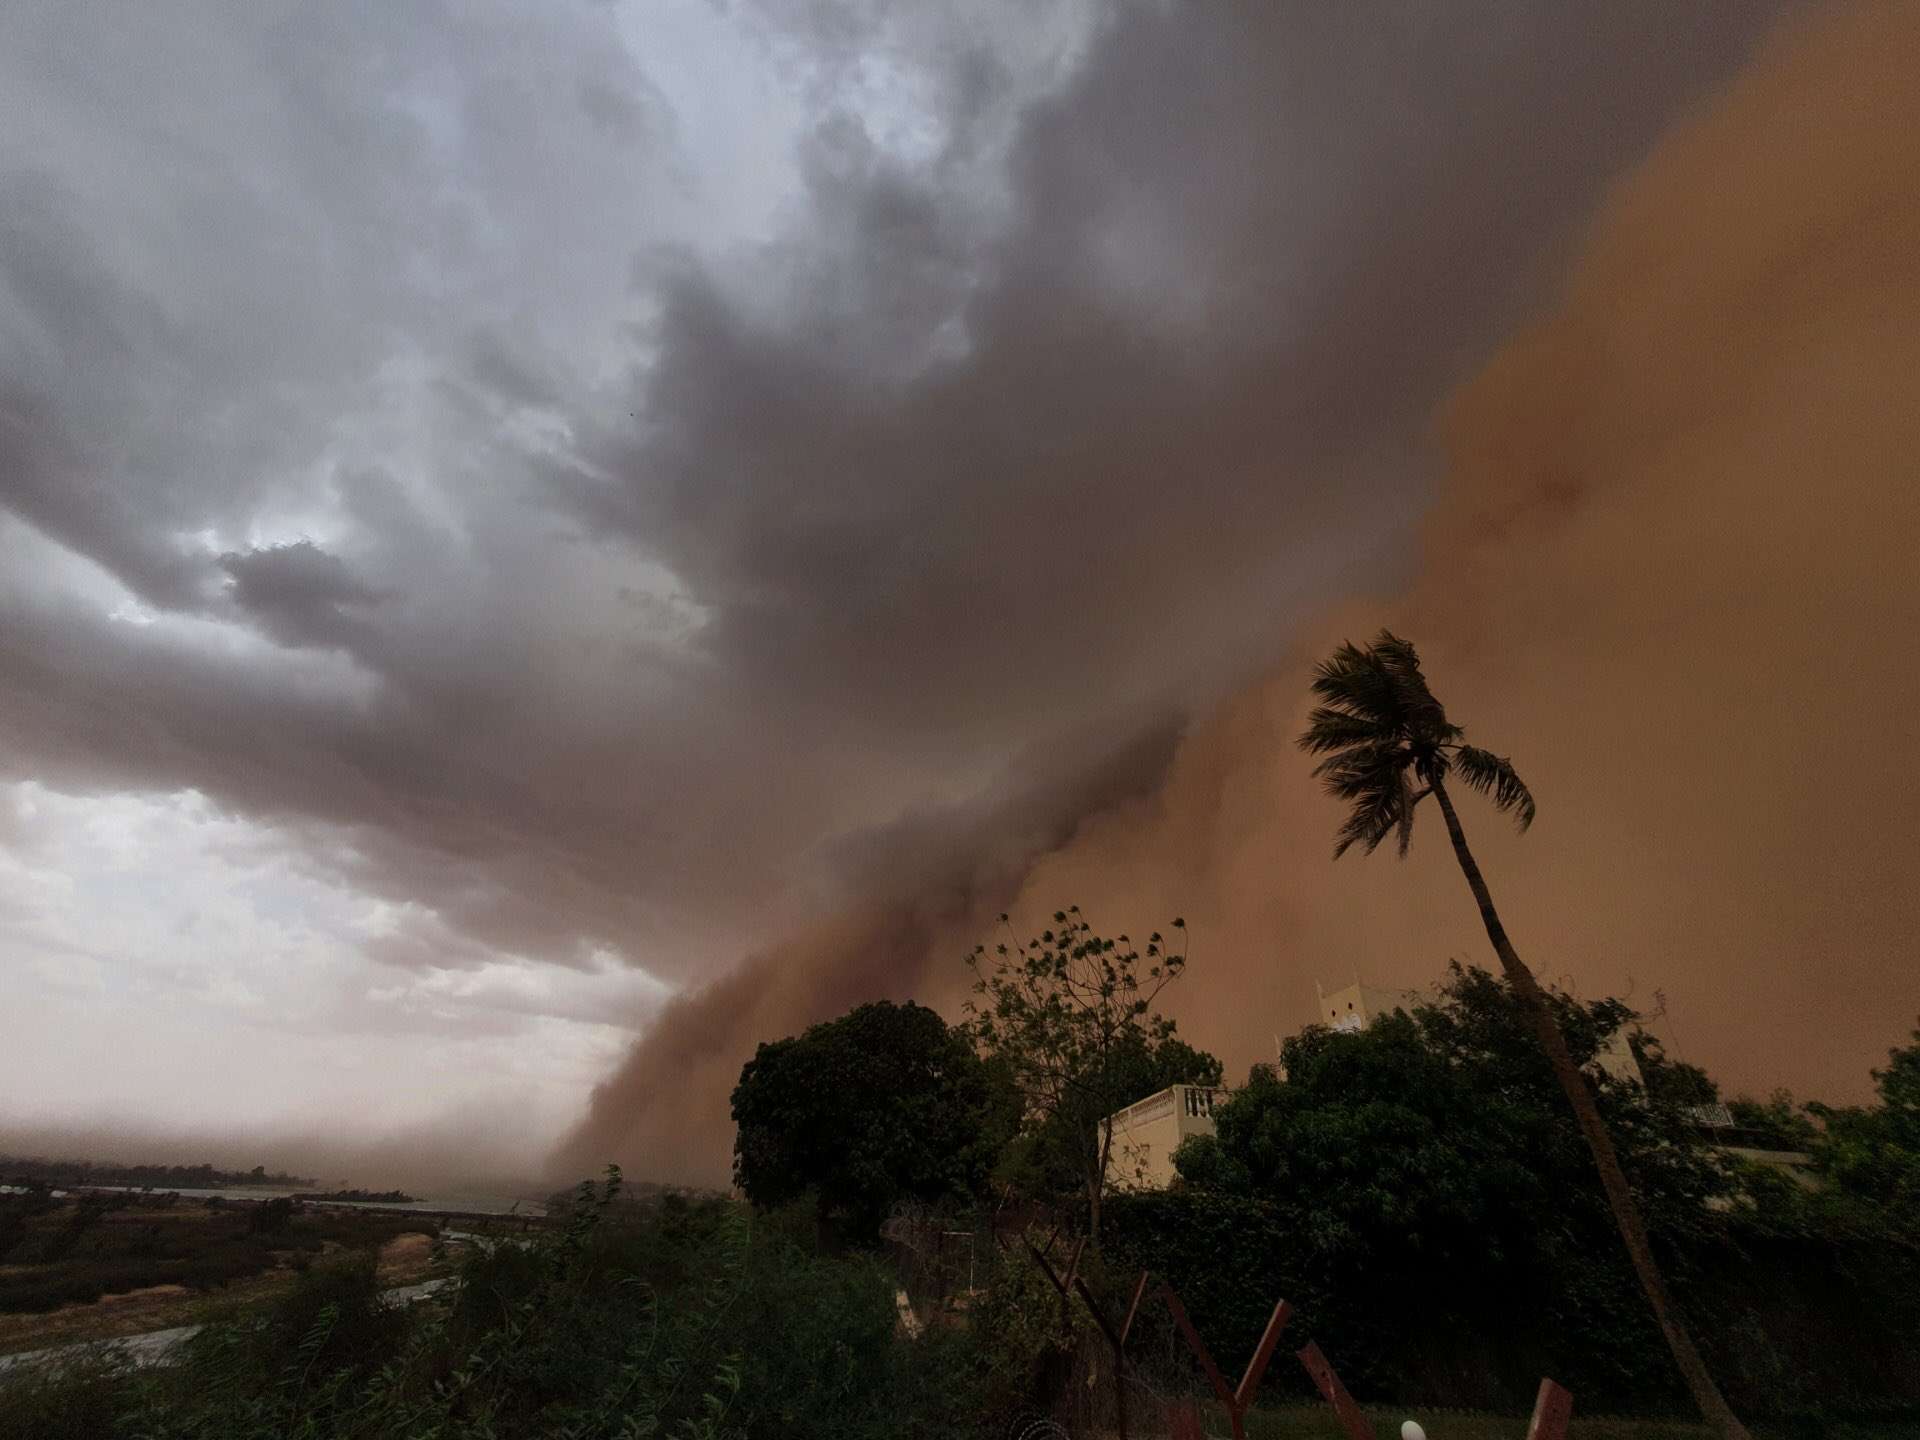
point(1146, 1134)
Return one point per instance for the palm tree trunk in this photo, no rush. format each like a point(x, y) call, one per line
point(1626, 1211)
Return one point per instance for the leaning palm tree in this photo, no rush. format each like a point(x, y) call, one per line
point(1389, 745)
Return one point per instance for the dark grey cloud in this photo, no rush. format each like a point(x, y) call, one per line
point(620, 481)
point(300, 595)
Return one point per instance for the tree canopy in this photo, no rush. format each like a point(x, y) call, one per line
point(1439, 1136)
point(885, 1104)
point(1871, 1154)
point(1069, 1017)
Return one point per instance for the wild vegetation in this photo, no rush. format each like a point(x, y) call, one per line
point(63, 1251)
point(673, 1318)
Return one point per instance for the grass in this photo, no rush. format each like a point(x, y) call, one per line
point(1317, 1422)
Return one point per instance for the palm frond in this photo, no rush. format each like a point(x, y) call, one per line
point(1380, 728)
point(1360, 770)
point(1355, 682)
point(1380, 685)
point(1408, 799)
point(1494, 776)
point(1381, 809)
point(1331, 729)
point(1422, 713)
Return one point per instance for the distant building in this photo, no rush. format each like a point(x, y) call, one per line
point(1716, 1125)
point(1358, 1006)
point(1147, 1132)
point(1616, 1058)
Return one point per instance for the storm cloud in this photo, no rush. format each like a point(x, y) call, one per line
point(718, 495)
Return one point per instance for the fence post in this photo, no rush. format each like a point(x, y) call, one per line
point(1552, 1409)
point(1238, 1400)
point(1328, 1382)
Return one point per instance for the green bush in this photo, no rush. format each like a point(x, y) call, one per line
point(338, 1299)
point(271, 1217)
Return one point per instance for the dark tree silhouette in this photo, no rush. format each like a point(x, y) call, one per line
point(885, 1104)
point(1389, 745)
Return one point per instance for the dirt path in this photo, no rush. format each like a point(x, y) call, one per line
point(136, 1312)
point(152, 1347)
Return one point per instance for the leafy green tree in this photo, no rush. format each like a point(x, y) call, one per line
point(1447, 1117)
point(1426, 1182)
point(1872, 1153)
point(1673, 1082)
point(1070, 1015)
point(1776, 1123)
point(1388, 745)
point(885, 1104)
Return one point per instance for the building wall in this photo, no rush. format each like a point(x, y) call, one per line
point(1618, 1060)
point(1146, 1134)
point(1356, 1006)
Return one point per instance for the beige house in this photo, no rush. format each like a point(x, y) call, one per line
point(1147, 1132)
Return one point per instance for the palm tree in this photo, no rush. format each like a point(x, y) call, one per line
point(1389, 745)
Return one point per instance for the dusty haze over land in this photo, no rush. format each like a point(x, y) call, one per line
point(519, 530)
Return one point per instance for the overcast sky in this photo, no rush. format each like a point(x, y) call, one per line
point(506, 510)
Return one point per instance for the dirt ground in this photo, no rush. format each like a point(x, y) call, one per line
point(405, 1260)
point(158, 1307)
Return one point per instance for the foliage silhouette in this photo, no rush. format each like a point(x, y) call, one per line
point(1387, 745)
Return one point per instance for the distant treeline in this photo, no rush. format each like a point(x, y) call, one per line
point(15, 1170)
point(370, 1197)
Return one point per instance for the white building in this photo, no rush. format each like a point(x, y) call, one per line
point(1147, 1132)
